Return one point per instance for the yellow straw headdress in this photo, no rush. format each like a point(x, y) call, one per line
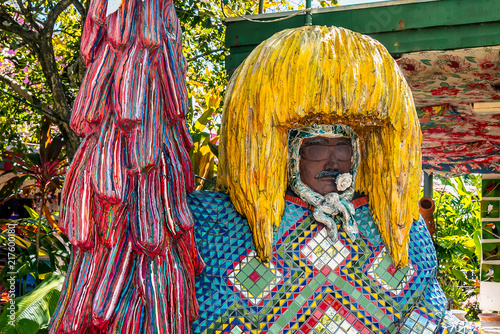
point(321, 75)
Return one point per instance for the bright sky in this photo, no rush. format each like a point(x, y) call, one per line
point(315, 3)
point(295, 4)
point(356, 2)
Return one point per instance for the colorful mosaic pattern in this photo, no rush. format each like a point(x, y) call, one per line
point(310, 285)
point(254, 280)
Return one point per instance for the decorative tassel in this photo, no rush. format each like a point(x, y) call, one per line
point(109, 177)
point(79, 309)
point(121, 24)
point(115, 284)
point(146, 213)
point(91, 99)
point(129, 88)
point(97, 11)
point(125, 208)
point(76, 209)
point(92, 37)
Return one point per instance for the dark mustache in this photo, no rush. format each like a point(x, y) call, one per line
point(327, 173)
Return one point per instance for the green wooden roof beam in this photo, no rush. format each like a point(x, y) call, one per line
point(402, 26)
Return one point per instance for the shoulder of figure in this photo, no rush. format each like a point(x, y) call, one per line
point(207, 205)
point(207, 198)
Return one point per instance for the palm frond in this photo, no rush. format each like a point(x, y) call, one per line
point(33, 310)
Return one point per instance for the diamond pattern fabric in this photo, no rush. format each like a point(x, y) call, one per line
point(311, 284)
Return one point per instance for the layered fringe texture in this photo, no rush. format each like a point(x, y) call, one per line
point(124, 204)
point(320, 75)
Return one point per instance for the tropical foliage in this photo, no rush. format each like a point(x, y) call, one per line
point(51, 255)
point(40, 250)
point(33, 310)
point(458, 235)
point(40, 68)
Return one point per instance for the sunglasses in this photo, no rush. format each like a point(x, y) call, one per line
point(343, 152)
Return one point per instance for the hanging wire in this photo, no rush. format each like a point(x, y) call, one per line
point(299, 12)
point(222, 8)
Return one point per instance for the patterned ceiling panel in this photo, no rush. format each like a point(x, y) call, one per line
point(445, 85)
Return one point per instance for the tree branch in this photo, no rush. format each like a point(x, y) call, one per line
point(46, 58)
point(7, 23)
point(80, 8)
point(28, 97)
point(75, 65)
point(27, 12)
point(23, 92)
point(41, 42)
point(52, 17)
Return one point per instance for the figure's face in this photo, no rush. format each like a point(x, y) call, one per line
point(322, 159)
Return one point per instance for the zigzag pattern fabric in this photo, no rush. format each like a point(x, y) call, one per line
point(312, 285)
point(124, 207)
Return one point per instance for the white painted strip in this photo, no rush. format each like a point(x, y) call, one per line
point(113, 6)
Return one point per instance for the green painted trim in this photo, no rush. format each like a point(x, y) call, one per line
point(441, 38)
point(402, 26)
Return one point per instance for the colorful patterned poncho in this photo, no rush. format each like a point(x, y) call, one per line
point(312, 284)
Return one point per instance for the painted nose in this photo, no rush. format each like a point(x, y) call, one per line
point(332, 163)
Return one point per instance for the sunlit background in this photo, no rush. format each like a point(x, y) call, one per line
point(300, 4)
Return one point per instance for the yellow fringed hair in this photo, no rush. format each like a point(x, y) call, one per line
point(321, 75)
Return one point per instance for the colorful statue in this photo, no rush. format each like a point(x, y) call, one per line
point(312, 116)
point(124, 203)
point(320, 231)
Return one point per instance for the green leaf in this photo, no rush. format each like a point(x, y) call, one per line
point(460, 275)
point(477, 243)
point(54, 148)
point(34, 158)
point(20, 182)
point(202, 121)
point(7, 171)
point(426, 62)
point(214, 148)
point(44, 139)
point(33, 214)
point(33, 310)
point(8, 189)
point(469, 244)
point(471, 59)
point(200, 137)
point(460, 188)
